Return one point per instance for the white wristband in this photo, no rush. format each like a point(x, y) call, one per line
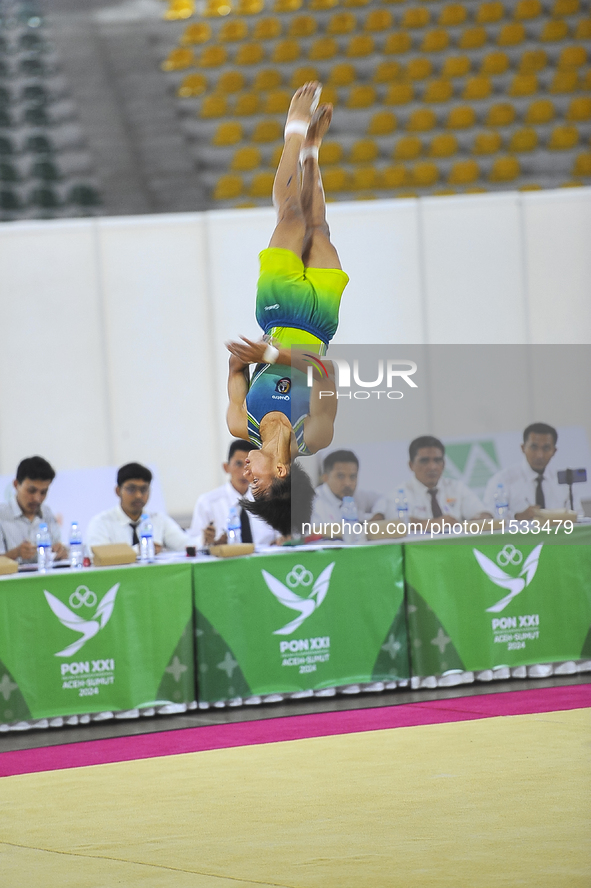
point(270, 354)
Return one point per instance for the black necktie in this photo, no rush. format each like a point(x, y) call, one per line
point(540, 498)
point(134, 540)
point(246, 532)
point(435, 507)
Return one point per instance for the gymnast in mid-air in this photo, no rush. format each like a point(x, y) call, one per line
point(297, 304)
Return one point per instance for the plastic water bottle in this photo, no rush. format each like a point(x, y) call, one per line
point(349, 513)
point(401, 504)
point(43, 547)
point(76, 547)
point(234, 527)
point(146, 540)
point(501, 504)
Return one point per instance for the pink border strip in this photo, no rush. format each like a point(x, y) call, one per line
point(295, 727)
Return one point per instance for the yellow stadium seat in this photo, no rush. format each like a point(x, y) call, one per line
point(217, 7)
point(227, 133)
point(364, 151)
point(197, 32)
point(511, 34)
point(303, 75)
point(248, 7)
point(496, 62)
point(395, 177)
point(342, 74)
point(228, 187)
point(585, 81)
point(302, 26)
point(232, 31)
point(407, 148)
point(322, 49)
point(397, 43)
point(489, 13)
point(444, 145)
point(563, 138)
point(341, 23)
point(230, 82)
point(382, 123)
point(524, 85)
point(421, 121)
point(267, 28)
point(583, 30)
point(322, 4)
point(525, 139)
point(463, 172)
point(335, 179)
point(472, 38)
point(330, 153)
point(213, 57)
point(247, 103)
point(360, 46)
point(552, 32)
point(461, 117)
point(579, 109)
point(532, 61)
point(286, 51)
point(261, 185)
point(501, 114)
point(424, 174)
point(179, 9)
point(267, 78)
point(582, 166)
point(356, 2)
point(564, 82)
point(249, 54)
point(287, 5)
point(399, 94)
point(477, 88)
point(527, 9)
point(364, 178)
point(178, 59)
point(214, 105)
point(540, 111)
point(565, 7)
point(504, 169)
point(277, 102)
point(487, 143)
point(438, 91)
point(453, 14)
point(192, 85)
point(386, 72)
point(572, 57)
point(416, 17)
point(378, 20)
point(456, 66)
point(419, 69)
point(362, 95)
point(245, 159)
point(266, 131)
point(435, 41)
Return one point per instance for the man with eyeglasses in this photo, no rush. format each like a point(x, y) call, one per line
point(121, 524)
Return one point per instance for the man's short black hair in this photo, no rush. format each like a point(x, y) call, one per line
point(35, 468)
point(338, 456)
point(287, 504)
point(133, 470)
point(239, 444)
point(424, 441)
point(540, 428)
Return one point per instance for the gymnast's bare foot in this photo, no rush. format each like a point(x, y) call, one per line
point(303, 106)
point(318, 126)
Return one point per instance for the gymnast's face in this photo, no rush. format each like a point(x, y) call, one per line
point(260, 471)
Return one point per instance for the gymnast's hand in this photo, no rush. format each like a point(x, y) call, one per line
point(247, 351)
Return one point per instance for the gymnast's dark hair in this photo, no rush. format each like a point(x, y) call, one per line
point(287, 504)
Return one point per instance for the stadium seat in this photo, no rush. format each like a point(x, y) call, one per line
point(523, 85)
point(335, 179)
point(38, 144)
point(323, 49)
point(504, 169)
point(579, 109)
point(585, 81)
point(378, 20)
point(511, 34)
point(179, 9)
point(572, 57)
point(477, 88)
point(397, 43)
point(341, 23)
point(438, 91)
point(227, 133)
point(382, 123)
point(8, 172)
point(6, 147)
point(399, 94)
point(582, 165)
point(526, 10)
point(472, 38)
point(435, 41)
point(361, 95)
point(192, 85)
point(553, 31)
point(501, 114)
point(421, 121)
point(232, 31)
point(9, 200)
point(31, 41)
point(540, 111)
point(364, 151)
point(416, 17)
point(213, 57)
point(267, 131)
point(178, 59)
point(267, 28)
point(44, 198)
point(395, 176)
point(493, 63)
point(525, 139)
point(360, 46)
point(214, 105)
point(36, 116)
point(286, 51)
point(489, 13)
point(5, 118)
point(228, 187)
point(443, 145)
point(303, 75)
point(46, 170)
point(583, 30)
point(267, 78)
point(386, 72)
point(463, 172)
point(356, 2)
point(407, 148)
point(419, 69)
point(562, 8)
point(318, 5)
point(230, 82)
point(424, 174)
point(461, 117)
point(287, 5)
point(302, 26)
point(248, 7)
point(456, 66)
point(249, 54)
point(330, 153)
point(364, 178)
point(277, 102)
point(487, 143)
point(452, 15)
point(215, 8)
point(261, 185)
point(564, 82)
point(247, 103)
point(563, 138)
point(532, 61)
point(84, 196)
point(343, 74)
point(196, 32)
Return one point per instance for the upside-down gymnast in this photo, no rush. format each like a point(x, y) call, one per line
point(297, 304)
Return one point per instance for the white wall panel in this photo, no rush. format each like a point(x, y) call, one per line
point(52, 388)
point(473, 269)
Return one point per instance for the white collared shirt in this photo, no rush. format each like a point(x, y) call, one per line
point(453, 496)
point(214, 506)
point(327, 508)
point(114, 526)
point(520, 482)
point(15, 527)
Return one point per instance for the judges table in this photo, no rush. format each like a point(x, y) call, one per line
point(296, 621)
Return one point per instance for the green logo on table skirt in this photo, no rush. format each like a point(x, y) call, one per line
point(84, 621)
point(299, 577)
point(509, 557)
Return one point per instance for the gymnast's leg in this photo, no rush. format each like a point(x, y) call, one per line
point(317, 252)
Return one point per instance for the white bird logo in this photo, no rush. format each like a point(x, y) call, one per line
point(306, 606)
point(504, 580)
point(89, 628)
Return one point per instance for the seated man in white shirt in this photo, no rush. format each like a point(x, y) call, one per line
point(120, 524)
point(21, 516)
point(431, 497)
point(340, 472)
point(212, 509)
point(530, 485)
